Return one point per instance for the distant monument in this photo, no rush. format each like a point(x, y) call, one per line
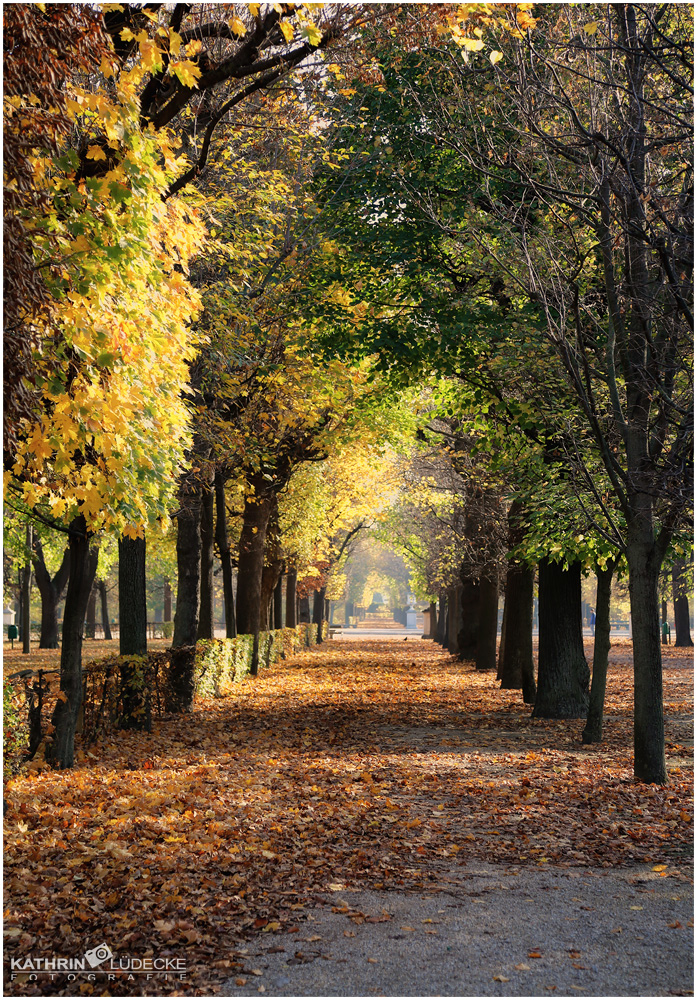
point(411, 612)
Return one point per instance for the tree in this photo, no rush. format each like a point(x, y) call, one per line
point(603, 148)
point(681, 606)
point(44, 46)
point(102, 451)
point(51, 590)
point(576, 137)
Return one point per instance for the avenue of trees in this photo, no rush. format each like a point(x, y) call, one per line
point(277, 273)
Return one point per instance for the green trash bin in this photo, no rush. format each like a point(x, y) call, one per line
point(12, 634)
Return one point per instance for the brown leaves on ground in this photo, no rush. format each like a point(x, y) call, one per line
point(355, 765)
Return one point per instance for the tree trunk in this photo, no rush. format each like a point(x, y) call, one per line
point(278, 602)
point(133, 633)
point(291, 584)
point(304, 610)
point(468, 627)
point(51, 591)
point(83, 566)
point(681, 605)
point(188, 561)
point(593, 733)
point(91, 614)
point(487, 625)
point(223, 542)
point(516, 662)
point(649, 736)
point(664, 623)
point(563, 674)
point(205, 615)
point(440, 626)
point(167, 600)
point(432, 623)
point(179, 696)
point(454, 620)
point(133, 616)
point(26, 594)
point(318, 611)
point(251, 558)
point(106, 627)
point(445, 641)
point(502, 640)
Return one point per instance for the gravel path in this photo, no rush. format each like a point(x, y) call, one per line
point(496, 932)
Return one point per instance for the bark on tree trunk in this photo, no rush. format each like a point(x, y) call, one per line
point(304, 610)
point(179, 696)
point(593, 733)
point(133, 617)
point(432, 623)
point(188, 561)
point(664, 623)
point(318, 611)
point(91, 614)
point(440, 626)
point(563, 674)
point(681, 605)
point(291, 583)
point(51, 591)
point(251, 558)
point(106, 627)
point(223, 542)
point(454, 620)
point(278, 602)
point(167, 600)
point(445, 641)
point(205, 614)
point(26, 594)
point(83, 565)
point(649, 736)
point(468, 629)
point(488, 620)
point(270, 578)
point(133, 633)
point(516, 662)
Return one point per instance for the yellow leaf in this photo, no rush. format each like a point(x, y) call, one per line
point(287, 30)
point(312, 33)
point(591, 27)
point(151, 57)
point(237, 27)
point(175, 42)
point(495, 57)
point(187, 73)
point(659, 868)
point(472, 44)
point(96, 153)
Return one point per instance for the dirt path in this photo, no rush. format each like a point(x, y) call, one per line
point(356, 768)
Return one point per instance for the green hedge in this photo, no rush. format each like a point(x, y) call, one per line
point(221, 663)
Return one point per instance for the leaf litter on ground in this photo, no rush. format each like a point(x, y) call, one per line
point(354, 765)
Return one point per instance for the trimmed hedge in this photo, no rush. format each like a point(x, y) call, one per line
point(221, 663)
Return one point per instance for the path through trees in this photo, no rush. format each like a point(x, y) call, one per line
point(356, 765)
